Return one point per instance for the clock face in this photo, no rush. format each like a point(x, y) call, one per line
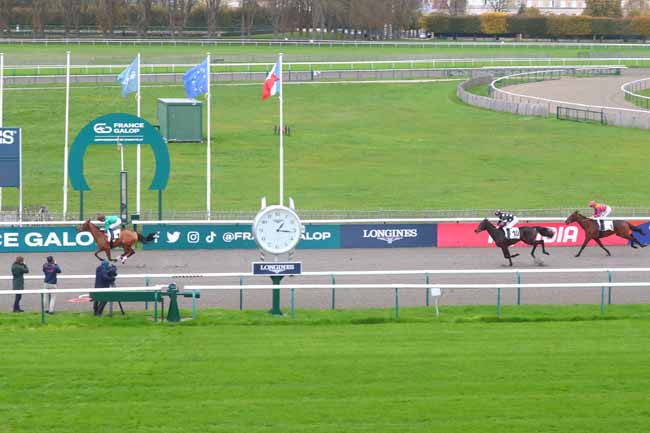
point(277, 229)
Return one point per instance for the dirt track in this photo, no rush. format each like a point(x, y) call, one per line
point(595, 91)
point(360, 259)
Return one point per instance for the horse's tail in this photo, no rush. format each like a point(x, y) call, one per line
point(547, 232)
point(146, 239)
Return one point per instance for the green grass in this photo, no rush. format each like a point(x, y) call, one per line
point(547, 369)
point(54, 53)
point(353, 146)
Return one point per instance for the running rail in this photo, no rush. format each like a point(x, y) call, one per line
point(315, 221)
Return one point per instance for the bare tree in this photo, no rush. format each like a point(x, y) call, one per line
point(499, 5)
point(213, 14)
point(178, 12)
point(107, 15)
point(71, 10)
point(249, 9)
point(6, 7)
point(144, 17)
point(38, 11)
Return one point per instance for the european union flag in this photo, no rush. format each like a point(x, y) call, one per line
point(129, 78)
point(196, 80)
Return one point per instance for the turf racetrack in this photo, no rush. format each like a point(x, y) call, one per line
point(193, 262)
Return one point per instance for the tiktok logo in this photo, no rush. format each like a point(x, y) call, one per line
point(211, 237)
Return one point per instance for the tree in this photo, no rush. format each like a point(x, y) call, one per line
point(457, 7)
point(38, 11)
point(249, 9)
point(213, 14)
point(635, 8)
point(602, 8)
point(71, 11)
point(144, 17)
point(178, 11)
point(107, 16)
point(6, 7)
point(499, 5)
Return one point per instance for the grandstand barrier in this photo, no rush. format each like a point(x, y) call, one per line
point(427, 277)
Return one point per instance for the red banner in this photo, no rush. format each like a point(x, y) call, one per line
point(462, 235)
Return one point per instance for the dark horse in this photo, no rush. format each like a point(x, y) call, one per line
point(127, 239)
point(622, 229)
point(527, 235)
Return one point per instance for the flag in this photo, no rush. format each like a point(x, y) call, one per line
point(273, 82)
point(196, 80)
point(129, 78)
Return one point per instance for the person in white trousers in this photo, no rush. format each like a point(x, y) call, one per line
point(50, 271)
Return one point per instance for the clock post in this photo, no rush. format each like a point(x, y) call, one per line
point(277, 230)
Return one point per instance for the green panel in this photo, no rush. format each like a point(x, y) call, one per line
point(124, 296)
point(180, 119)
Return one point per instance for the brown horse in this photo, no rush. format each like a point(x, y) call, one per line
point(127, 239)
point(622, 229)
point(526, 234)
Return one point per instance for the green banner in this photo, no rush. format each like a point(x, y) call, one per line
point(44, 239)
point(182, 237)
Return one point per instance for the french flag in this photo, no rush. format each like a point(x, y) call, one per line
point(273, 82)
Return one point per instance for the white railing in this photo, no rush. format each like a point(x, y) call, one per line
point(638, 99)
point(420, 272)
point(498, 62)
point(309, 221)
point(316, 42)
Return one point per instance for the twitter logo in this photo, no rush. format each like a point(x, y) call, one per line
point(173, 237)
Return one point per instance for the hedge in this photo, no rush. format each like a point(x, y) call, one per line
point(547, 26)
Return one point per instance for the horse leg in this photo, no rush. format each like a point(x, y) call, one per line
point(97, 255)
point(603, 247)
point(544, 249)
point(584, 244)
point(108, 254)
point(532, 253)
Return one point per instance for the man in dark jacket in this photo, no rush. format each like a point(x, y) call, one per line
point(18, 270)
point(50, 271)
point(104, 278)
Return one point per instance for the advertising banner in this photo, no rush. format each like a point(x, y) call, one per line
point(281, 268)
point(44, 239)
point(10, 157)
point(183, 237)
point(388, 235)
point(462, 235)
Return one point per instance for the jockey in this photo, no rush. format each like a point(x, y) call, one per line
point(507, 221)
point(601, 210)
point(111, 223)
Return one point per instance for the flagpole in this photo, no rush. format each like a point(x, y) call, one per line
point(66, 136)
point(139, 151)
point(281, 132)
point(208, 159)
point(2, 88)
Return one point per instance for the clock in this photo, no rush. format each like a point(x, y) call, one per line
point(277, 229)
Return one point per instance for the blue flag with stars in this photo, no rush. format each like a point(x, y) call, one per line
point(129, 78)
point(196, 80)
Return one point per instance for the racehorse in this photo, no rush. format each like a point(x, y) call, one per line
point(127, 239)
point(622, 229)
point(527, 235)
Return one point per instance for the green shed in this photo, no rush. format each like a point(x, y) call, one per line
point(180, 119)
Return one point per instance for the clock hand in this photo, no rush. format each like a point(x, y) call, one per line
point(281, 225)
point(285, 231)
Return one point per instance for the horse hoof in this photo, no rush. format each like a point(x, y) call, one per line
point(577, 255)
point(548, 254)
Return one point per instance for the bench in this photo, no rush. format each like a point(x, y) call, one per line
point(154, 296)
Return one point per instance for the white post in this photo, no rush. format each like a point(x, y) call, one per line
point(139, 152)
point(281, 132)
point(208, 159)
point(66, 136)
point(2, 83)
point(20, 170)
point(121, 148)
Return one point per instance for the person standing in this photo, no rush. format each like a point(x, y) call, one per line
point(50, 270)
point(18, 271)
point(104, 277)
